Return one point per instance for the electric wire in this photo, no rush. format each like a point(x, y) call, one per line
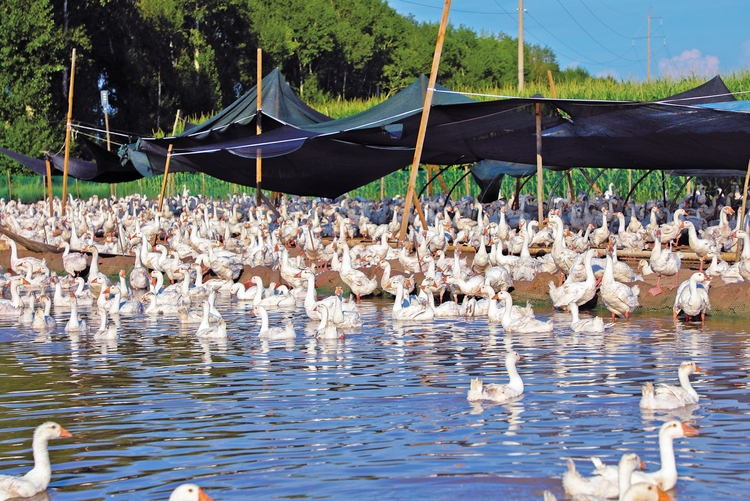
point(603, 23)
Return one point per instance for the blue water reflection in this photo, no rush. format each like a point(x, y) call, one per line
point(380, 414)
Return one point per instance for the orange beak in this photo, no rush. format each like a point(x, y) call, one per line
point(689, 431)
point(202, 496)
point(663, 496)
point(65, 433)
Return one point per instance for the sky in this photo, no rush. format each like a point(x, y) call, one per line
point(609, 37)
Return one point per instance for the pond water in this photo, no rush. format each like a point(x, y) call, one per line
point(380, 415)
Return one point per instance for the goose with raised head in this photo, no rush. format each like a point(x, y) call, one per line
point(663, 262)
point(692, 297)
point(17, 263)
point(598, 486)
point(575, 292)
point(75, 324)
point(107, 331)
point(273, 300)
point(666, 396)
point(591, 325)
point(36, 480)
point(273, 333)
point(665, 477)
point(218, 331)
point(326, 329)
point(189, 492)
point(499, 392)
point(13, 307)
point(703, 247)
point(523, 324)
point(357, 281)
point(42, 318)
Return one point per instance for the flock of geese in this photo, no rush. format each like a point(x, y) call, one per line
point(204, 246)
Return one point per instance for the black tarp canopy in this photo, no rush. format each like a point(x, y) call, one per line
point(328, 159)
point(703, 130)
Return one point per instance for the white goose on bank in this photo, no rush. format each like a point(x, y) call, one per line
point(499, 392)
point(577, 292)
point(619, 298)
point(666, 396)
point(598, 486)
point(692, 297)
point(73, 262)
point(666, 477)
point(189, 492)
point(38, 478)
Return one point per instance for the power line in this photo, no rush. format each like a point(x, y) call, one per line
point(452, 10)
point(603, 24)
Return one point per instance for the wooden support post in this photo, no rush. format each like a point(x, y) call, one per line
point(539, 175)
point(382, 188)
point(423, 122)
point(258, 126)
point(68, 131)
point(442, 183)
point(467, 182)
point(203, 184)
point(591, 181)
point(429, 180)
point(49, 186)
point(78, 190)
point(741, 215)
point(10, 188)
point(166, 173)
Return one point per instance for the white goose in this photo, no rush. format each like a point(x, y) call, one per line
point(274, 300)
point(75, 324)
point(619, 298)
point(326, 329)
point(590, 325)
point(636, 492)
point(73, 262)
point(575, 292)
point(666, 396)
point(666, 477)
point(663, 262)
point(598, 486)
point(273, 333)
point(499, 392)
point(42, 319)
point(208, 331)
point(692, 297)
point(107, 331)
point(13, 307)
point(189, 492)
point(38, 478)
point(523, 324)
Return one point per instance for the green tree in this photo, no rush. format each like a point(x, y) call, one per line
point(31, 51)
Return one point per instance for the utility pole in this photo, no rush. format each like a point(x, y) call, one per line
point(520, 45)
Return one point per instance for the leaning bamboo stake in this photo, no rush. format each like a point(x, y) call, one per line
point(741, 215)
point(67, 131)
point(539, 175)
point(410, 193)
point(49, 186)
point(258, 127)
point(166, 173)
point(10, 187)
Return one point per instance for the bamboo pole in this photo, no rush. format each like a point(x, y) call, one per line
point(112, 186)
point(429, 180)
point(467, 183)
point(258, 126)
point(382, 188)
point(539, 175)
point(10, 188)
point(67, 131)
point(49, 186)
point(741, 215)
point(164, 181)
point(410, 193)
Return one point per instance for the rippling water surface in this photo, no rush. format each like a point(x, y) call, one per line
point(380, 415)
